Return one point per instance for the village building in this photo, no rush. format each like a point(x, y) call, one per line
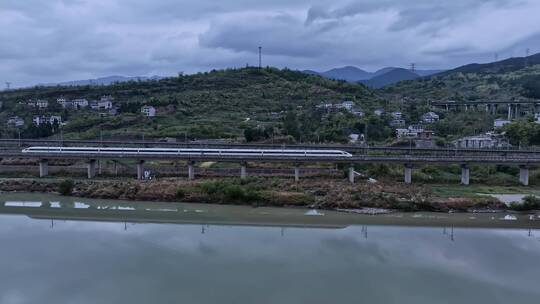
point(483, 141)
point(15, 121)
point(42, 119)
point(430, 117)
point(38, 103)
point(500, 122)
point(148, 111)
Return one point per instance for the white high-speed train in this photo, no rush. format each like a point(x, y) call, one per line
point(187, 152)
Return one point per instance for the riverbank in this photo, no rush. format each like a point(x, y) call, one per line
point(328, 194)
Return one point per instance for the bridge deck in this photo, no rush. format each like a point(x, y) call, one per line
point(442, 158)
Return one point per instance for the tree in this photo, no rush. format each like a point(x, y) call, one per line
point(290, 125)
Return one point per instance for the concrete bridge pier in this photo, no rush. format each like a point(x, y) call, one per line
point(296, 173)
point(191, 170)
point(243, 171)
point(509, 111)
point(408, 173)
point(115, 167)
point(524, 175)
point(465, 174)
point(140, 169)
point(91, 168)
point(351, 174)
point(43, 168)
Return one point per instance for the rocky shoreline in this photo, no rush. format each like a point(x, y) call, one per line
point(328, 194)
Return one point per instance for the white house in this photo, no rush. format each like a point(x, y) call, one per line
point(39, 120)
point(63, 102)
point(104, 105)
point(353, 138)
point(347, 105)
point(148, 111)
point(80, 103)
point(379, 112)
point(537, 118)
point(397, 115)
point(15, 121)
point(38, 103)
point(413, 131)
point(430, 117)
point(499, 123)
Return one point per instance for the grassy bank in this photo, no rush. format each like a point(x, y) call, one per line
point(259, 191)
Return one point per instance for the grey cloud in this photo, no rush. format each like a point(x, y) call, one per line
point(280, 35)
point(58, 40)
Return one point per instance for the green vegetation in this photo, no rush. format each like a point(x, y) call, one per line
point(523, 133)
point(230, 191)
point(530, 202)
point(219, 104)
point(66, 187)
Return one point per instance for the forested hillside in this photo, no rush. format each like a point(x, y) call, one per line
point(217, 104)
point(503, 80)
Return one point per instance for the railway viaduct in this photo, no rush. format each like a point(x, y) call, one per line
point(410, 158)
point(514, 108)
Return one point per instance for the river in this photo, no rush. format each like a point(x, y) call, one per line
point(70, 250)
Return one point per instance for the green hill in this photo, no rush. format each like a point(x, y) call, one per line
point(217, 104)
point(502, 80)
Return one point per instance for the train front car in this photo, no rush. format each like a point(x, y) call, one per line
point(36, 150)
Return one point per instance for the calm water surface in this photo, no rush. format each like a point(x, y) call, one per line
point(71, 261)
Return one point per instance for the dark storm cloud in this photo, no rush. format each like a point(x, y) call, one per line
point(55, 40)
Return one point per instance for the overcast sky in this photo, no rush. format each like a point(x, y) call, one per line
point(58, 40)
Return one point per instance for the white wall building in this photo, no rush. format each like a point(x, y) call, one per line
point(148, 111)
point(42, 119)
point(80, 103)
point(397, 115)
point(15, 121)
point(499, 123)
point(430, 117)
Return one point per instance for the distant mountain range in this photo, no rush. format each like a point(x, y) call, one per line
point(101, 81)
point(377, 79)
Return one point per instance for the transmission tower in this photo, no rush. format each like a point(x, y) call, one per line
point(496, 57)
point(8, 85)
point(413, 67)
point(260, 57)
point(527, 51)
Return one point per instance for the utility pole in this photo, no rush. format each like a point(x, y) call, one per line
point(260, 57)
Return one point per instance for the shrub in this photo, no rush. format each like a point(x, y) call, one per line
point(180, 193)
point(66, 187)
point(230, 191)
point(529, 203)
